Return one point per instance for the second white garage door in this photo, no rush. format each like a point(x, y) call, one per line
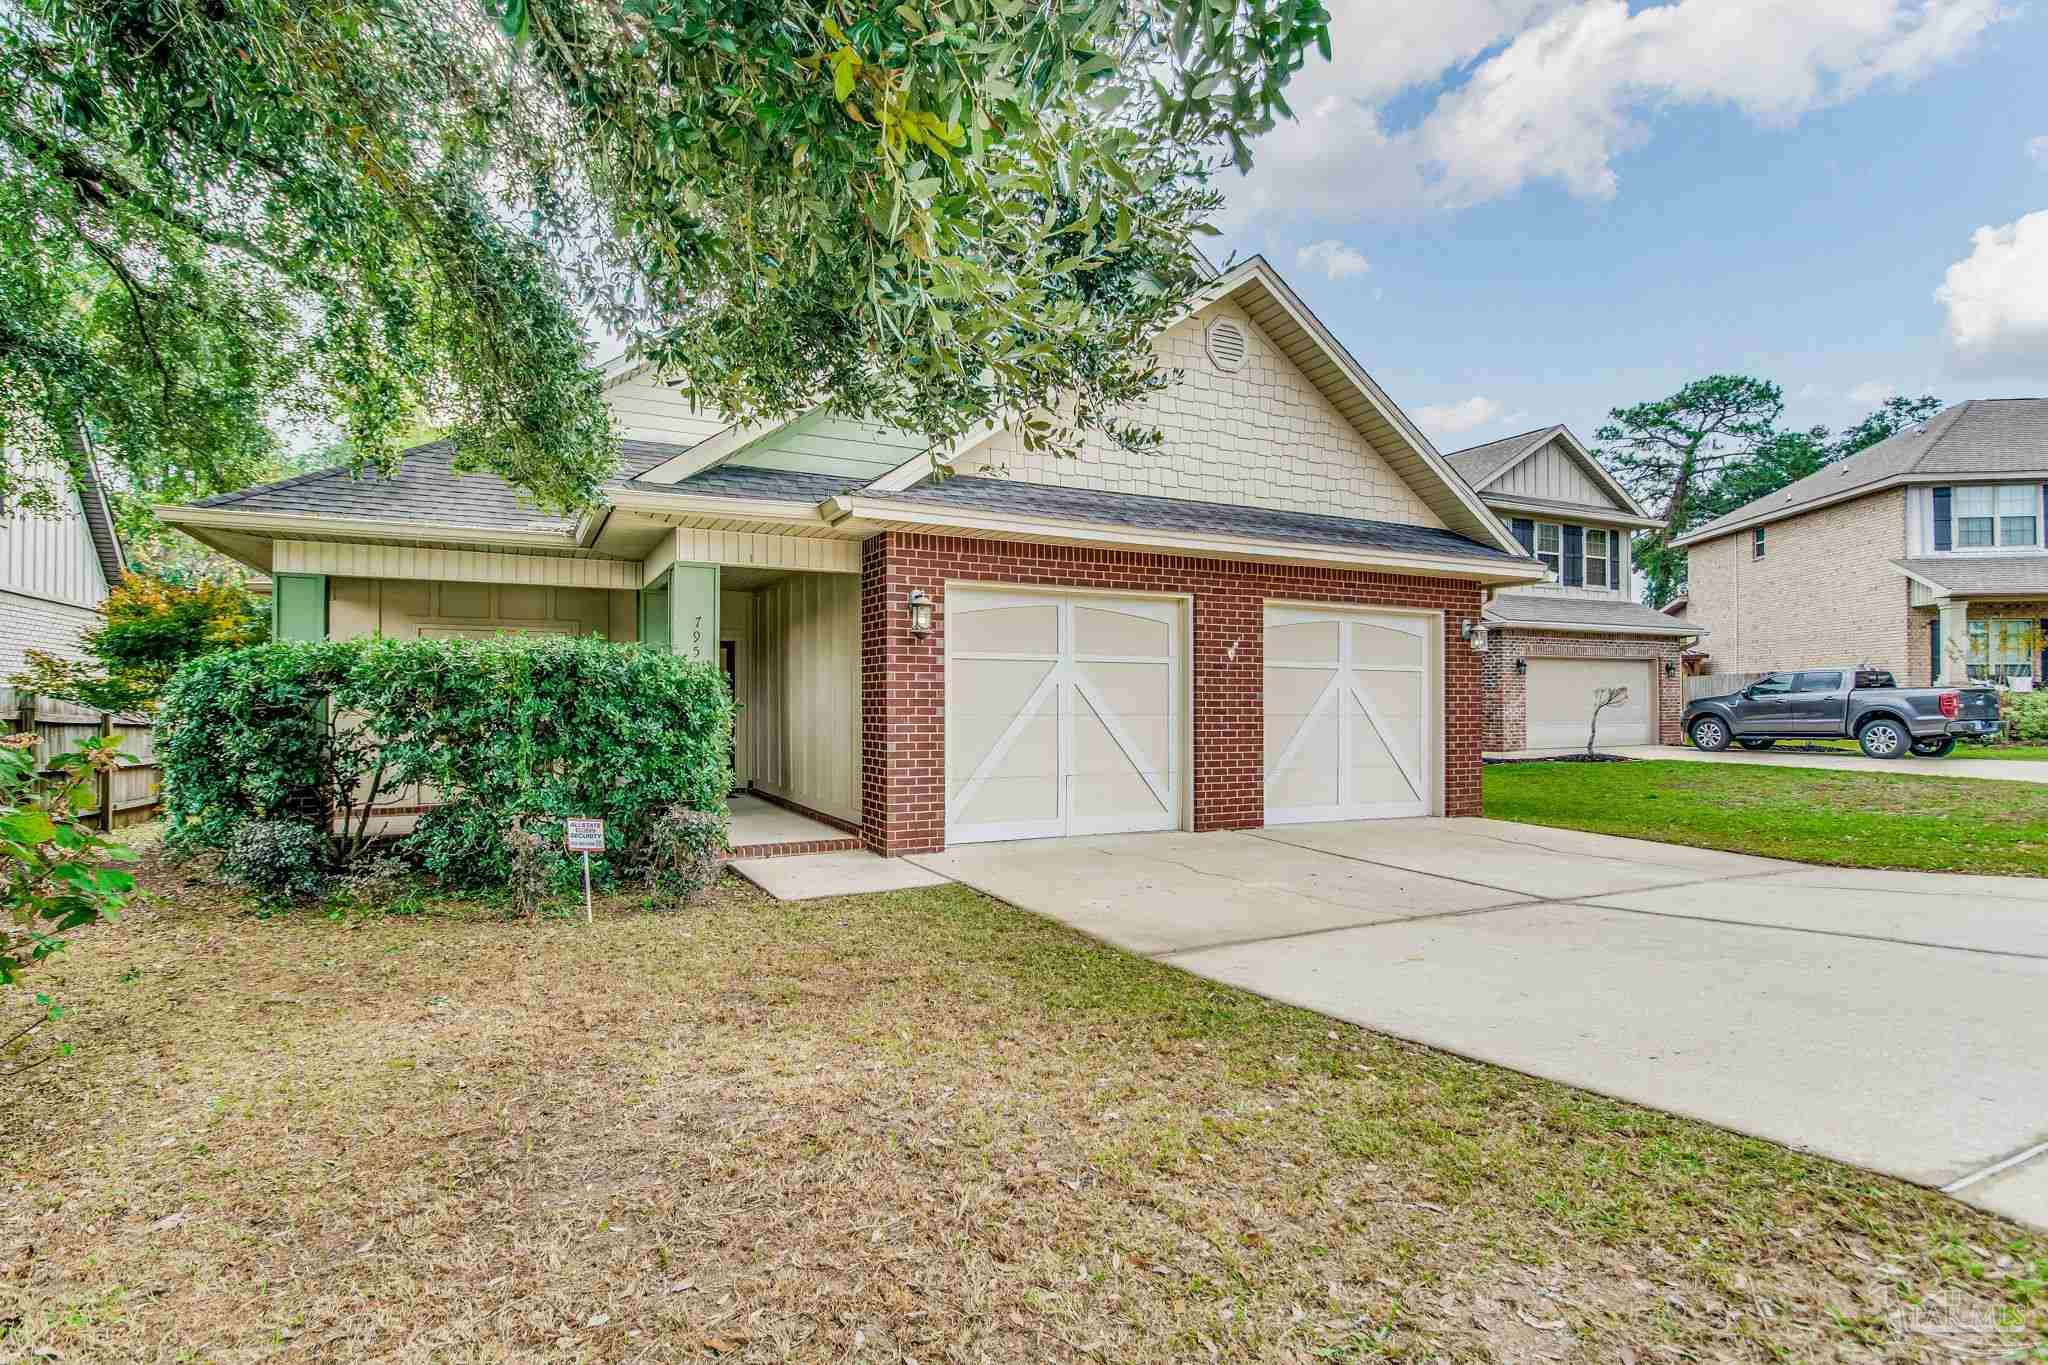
point(1064, 714)
point(1561, 702)
point(1351, 707)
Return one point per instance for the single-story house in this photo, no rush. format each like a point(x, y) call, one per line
point(1276, 617)
point(1932, 547)
point(1554, 643)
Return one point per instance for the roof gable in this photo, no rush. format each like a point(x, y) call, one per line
point(1299, 426)
point(1549, 465)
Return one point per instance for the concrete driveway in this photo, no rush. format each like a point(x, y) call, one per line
point(1892, 1020)
point(1983, 769)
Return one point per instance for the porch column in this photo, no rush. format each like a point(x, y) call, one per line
point(903, 699)
point(1952, 624)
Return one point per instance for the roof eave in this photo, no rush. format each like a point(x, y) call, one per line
point(868, 515)
point(286, 525)
point(1596, 627)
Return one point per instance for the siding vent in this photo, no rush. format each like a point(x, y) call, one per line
point(1227, 345)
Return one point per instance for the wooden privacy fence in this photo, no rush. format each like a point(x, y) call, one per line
point(1700, 685)
point(127, 795)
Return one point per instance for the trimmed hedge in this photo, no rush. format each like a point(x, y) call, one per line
point(513, 729)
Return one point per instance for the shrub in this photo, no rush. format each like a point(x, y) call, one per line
point(684, 850)
point(278, 859)
point(53, 861)
point(152, 627)
point(502, 731)
point(2026, 715)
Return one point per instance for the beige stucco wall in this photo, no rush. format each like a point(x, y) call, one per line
point(1262, 436)
point(404, 608)
point(1824, 592)
point(802, 691)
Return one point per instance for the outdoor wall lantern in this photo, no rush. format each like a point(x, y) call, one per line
point(1521, 665)
point(920, 612)
point(1474, 634)
point(1670, 669)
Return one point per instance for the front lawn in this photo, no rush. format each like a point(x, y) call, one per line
point(915, 1126)
point(1810, 815)
point(2030, 753)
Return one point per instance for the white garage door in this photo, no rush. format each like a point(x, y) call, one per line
point(1063, 714)
point(1561, 702)
point(1350, 714)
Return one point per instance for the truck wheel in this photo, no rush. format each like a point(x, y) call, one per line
point(1940, 746)
point(1884, 738)
point(1709, 734)
point(1756, 744)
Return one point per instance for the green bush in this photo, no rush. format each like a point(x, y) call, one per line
point(278, 859)
point(2026, 716)
point(53, 863)
point(508, 731)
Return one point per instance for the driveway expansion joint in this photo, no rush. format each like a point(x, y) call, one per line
point(1594, 903)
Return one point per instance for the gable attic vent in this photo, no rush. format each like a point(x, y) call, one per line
point(1227, 345)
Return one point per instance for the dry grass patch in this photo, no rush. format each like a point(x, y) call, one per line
point(917, 1126)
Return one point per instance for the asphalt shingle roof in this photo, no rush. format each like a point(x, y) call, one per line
point(1555, 609)
point(1994, 437)
point(741, 481)
point(1146, 512)
point(2004, 575)
point(425, 489)
point(1477, 464)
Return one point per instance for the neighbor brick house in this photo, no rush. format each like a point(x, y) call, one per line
point(1553, 643)
point(1273, 618)
point(1926, 554)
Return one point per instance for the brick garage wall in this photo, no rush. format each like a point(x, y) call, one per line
point(903, 679)
point(1919, 670)
point(1506, 692)
point(1824, 592)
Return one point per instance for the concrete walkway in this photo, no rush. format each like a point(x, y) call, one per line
point(1891, 1020)
point(1984, 769)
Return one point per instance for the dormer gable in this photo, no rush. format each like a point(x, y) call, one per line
point(1547, 471)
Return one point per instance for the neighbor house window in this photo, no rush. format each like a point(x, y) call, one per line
point(1756, 543)
point(1991, 515)
point(1550, 547)
point(1596, 559)
point(2002, 649)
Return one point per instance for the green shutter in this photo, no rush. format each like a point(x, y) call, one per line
point(654, 615)
point(298, 606)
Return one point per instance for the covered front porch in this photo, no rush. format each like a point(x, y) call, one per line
point(1978, 620)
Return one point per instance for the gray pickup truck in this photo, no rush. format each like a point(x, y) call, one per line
point(1864, 704)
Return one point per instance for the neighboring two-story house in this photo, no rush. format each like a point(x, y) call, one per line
point(1926, 554)
point(55, 570)
point(1553, 644)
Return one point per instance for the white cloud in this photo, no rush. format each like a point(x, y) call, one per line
point(1463, 415)
point(2037, 148)
point(1873, 391)
point(1332, 258)
point(1997, 297)
point(1549, 91)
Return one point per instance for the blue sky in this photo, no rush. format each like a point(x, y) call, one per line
point(1516, 212)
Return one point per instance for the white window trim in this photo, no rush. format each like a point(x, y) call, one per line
point(1998, 546)
point(1606, 548)
point(1759, 542)
point(1552, 559)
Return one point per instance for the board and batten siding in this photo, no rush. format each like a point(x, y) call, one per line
point(50, 581)
point(1554, 476)
point(1262, 435)
point(803, 696)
